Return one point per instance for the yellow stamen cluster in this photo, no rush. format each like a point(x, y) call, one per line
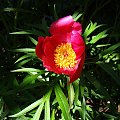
point(64, 56)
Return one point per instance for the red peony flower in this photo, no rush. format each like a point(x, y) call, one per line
point(64, 51)
point(64, 25)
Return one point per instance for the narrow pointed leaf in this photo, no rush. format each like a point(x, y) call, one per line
point(38, 112)
point(83, 108)
point(76, 88)
point(21, 32)
point(62, 101)
point(28, 70)
point(53, 115)
point(33, 40)
point(77, 17)
point(110, 49)
point(47, 109)
point(27, 109)
point(71, 94)
point(23, 62)
point(55, 12)
point(90, 28)
point(23, 57)
point(24, 50)
point(98, 37)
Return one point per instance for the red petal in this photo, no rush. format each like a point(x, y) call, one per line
point(78, 44)
point(77, 74)
point(62, 25)
point(77, 27)
point(52, 42)
point(50, 65)
point(49, 46)
point(39, 47)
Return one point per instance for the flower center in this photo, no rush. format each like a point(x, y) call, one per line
point(64, 56)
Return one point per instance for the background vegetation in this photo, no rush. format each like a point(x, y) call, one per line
point(23, 80)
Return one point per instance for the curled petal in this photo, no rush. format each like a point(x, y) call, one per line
point(78, 44)
point(62, 25)
point(77, 27)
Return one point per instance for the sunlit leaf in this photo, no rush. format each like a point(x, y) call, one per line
point(90, 28)
point(71, 94)
point(34, 105)
point(76, 15)
point(76, 88)
point(20, 32)
point(24, 50)
point(62, 101)
point(98, 37)
point(23, 62)
point(109, 50)
point(38, 112)
point(28, 70)
point(53, 115)
point(23, 57)
point(27, 32)
point(27, 109)
point(102, 45)
point(33, 40)
point(47, 109)
point(29, 79)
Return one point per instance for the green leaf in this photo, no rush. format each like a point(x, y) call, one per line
point(27, 109)
point(88, 116)
point(27, 32)
point(21, 32)
point(33, 40)
point(76, 16)
point(90, 28)
point(82, 88)
point(47, 109)
point(62, 101)
point(29, 79)
point(70, 94)
point(98, 37)
point(24, 50)
point(23, 62)
point(55, 13)
point(76, 87)
point(34, 105)
point(109, 50)
point(83, 108)
point(111, 117)
point(53, 115)
point(46, 100)
point(102, 45)
point(28, 70)
point(38, 112)
point(22, 58)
